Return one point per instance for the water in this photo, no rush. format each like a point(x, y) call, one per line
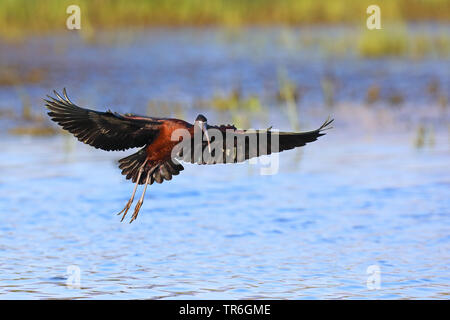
point(360, 196)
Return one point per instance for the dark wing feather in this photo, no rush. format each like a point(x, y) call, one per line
point(248, 144)
point(104, 130)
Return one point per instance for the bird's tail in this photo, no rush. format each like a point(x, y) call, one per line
point(130, 165)
point(158, 171)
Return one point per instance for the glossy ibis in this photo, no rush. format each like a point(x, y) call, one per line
point(158, 160)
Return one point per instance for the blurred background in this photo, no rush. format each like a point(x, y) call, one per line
point(373, 191)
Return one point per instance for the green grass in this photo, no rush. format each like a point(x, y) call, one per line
point(397, 41)
point(394, 40)
point(20, 18)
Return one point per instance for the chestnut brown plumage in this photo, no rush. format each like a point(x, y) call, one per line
point(112, 131)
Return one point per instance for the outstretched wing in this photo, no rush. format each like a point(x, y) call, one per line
point(240, 145)
point(104, 130)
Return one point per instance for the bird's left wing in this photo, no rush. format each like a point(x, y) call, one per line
point(239, 145)
point(104, 130)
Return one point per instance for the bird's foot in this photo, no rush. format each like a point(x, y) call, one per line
point(125, 210)
point(136, 210)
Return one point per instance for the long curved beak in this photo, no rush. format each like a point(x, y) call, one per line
point(205, 131)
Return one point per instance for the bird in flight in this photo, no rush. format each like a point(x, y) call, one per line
point(165, 141)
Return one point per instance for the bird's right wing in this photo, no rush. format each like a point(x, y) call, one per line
point(105, 130)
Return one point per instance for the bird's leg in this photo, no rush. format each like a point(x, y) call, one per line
point(130, 202)
point(141, 200)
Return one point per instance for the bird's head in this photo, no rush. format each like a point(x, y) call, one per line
point(201, 123)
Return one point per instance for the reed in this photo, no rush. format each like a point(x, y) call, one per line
point(24, 17)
